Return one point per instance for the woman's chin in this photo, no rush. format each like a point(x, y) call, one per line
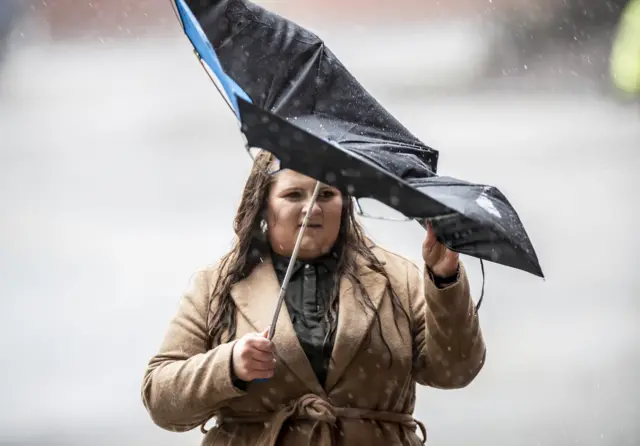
point(310, 249)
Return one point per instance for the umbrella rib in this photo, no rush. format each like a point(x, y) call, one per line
point(294, 256)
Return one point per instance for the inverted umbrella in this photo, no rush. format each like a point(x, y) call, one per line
point(296, 100)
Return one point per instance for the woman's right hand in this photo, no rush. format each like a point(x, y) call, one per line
point(253, 357)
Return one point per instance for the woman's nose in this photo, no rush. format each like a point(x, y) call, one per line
point(315, 208)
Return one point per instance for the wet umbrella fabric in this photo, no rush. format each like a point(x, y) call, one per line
point(473, 219)
point(299, 102)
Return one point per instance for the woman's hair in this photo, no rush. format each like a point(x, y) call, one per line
point(251, 244)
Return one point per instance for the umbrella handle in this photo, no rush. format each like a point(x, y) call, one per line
point(294, 256)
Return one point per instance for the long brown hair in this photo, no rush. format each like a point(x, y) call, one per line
point(251, 245)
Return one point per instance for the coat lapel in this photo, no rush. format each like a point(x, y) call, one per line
point(256, 298)
point(354, 320)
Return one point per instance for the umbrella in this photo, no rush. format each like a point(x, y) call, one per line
point(295, 99)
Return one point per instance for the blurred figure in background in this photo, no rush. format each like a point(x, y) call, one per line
point(10, 13)
point(625, 57)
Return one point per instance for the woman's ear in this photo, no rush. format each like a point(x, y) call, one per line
point(263, 215)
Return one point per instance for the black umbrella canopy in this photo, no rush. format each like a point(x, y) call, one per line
point(307, 109)
point(289, 71)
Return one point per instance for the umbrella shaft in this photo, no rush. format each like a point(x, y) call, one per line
point(294, 256)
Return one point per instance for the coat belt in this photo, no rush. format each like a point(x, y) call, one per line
point(325, 415)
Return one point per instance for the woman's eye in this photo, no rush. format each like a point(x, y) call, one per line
point(327, 194)
point(294, 195)
point(299, 195)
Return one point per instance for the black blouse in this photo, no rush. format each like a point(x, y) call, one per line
point(307, 299)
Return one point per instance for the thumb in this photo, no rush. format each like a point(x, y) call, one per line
point(265, 332)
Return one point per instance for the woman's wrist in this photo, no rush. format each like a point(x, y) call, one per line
point(443, 282)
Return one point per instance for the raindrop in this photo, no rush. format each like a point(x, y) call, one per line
point(350, 173)
point(273, 127)
point(331, 177)
point(264, 119)
point(289, 378)
point(351, 190)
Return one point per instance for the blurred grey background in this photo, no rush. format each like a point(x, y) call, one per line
point(121, 169)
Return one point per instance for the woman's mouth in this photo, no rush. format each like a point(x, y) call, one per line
point(312, 226)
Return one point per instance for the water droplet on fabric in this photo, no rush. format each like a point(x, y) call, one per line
point(331, 177)
point(289, 378)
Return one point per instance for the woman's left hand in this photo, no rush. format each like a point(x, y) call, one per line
point(442, 262)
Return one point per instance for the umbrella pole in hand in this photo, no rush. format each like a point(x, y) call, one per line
point(294, 256)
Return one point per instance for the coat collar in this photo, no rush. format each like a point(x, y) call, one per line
point(256, 298)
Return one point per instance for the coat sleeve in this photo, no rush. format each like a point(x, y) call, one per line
point(449, 349)
point(186, 383)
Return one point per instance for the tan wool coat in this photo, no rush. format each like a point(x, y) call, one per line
point(369, 396)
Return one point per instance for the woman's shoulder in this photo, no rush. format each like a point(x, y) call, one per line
point(207, 274)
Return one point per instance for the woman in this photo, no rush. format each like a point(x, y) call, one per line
point(361, 326)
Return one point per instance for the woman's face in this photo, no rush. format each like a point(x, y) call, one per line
point(288, 201)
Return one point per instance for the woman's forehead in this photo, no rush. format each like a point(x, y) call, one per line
point(289, 178)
